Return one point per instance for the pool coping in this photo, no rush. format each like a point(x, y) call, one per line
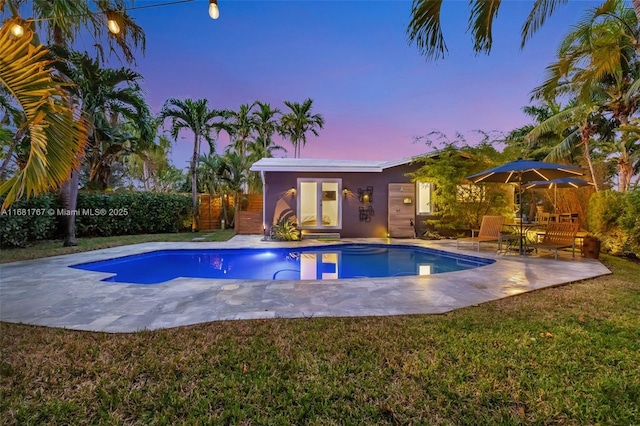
point(47, 292)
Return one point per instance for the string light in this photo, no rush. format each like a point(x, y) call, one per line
point(112, 22)
point(214, 12)
point(17, 30)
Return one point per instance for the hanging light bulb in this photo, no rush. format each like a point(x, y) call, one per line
point(214, 12)
point(112, 23)
point(113, 26)
point(17, 30)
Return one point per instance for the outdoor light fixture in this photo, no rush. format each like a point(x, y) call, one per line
point(345, 192)
point(365, 195)
point(17, 30)
point(214, 12)
point(112, 23)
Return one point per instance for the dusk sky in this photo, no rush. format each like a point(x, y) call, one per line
point(374, 90)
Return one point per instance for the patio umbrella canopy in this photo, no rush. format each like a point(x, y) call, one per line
point(567, 182)
point(524, 171)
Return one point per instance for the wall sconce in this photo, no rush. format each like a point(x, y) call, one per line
point(345, 192)
point(292, 192)
point(365, 195)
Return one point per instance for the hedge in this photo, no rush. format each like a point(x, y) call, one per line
point(28, 220)
point(97, 214)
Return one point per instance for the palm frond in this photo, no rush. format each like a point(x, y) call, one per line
point(425, 30)
point(541, 10)
point(483, 12)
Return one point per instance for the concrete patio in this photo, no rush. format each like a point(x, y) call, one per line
point(47, 292)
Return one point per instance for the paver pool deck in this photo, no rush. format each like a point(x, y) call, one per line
point(48, 292)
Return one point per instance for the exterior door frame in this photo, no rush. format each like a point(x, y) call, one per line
point(318, 182)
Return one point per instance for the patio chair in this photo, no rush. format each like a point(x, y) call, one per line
point(489, 231)
point(558, 236)
point(543, 219)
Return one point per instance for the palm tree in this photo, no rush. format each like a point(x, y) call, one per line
point(599, 63)
point(56, 131)
point(425, 25)
point(295, 124)
point(197, 117)
point(260, 148)
point(265, 123)
point(580, 123)
point(516, 141)
point(240, 127)
point(215, 171)
point(62, 21)
point(108, 97)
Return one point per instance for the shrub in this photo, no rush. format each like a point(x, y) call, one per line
point(285, 230)
point(630, 221)
point(605, 208)
point(28, 220)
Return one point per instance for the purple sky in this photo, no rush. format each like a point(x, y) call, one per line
point(352, 58)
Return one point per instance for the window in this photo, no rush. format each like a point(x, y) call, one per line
point(425, 192)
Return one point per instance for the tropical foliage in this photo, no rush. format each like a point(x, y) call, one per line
point(425, 29)
point(296, 124)
point(204, 122)
point(597, 67)
point(55, 130)
point(459, 205)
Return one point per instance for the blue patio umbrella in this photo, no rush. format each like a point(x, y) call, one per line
point(524, 171)
point(567, 182)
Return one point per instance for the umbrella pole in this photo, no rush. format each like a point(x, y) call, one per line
point(521, 215)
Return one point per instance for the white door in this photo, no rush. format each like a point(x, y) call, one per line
point(319, 204)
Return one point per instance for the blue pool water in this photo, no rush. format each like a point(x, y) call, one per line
point(308, 263)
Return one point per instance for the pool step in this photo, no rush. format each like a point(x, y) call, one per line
point(310, 235)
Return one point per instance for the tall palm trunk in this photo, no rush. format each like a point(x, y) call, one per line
point(636, 7)
point(194, 185)
point(69, 189)
point(69, 201)
point(585, 136)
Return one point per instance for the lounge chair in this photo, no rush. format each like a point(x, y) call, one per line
point(489, 231)
point(558, 236)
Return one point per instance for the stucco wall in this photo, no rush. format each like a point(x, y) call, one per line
point(280, 200)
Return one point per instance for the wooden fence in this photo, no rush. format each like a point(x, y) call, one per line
point(211, 211)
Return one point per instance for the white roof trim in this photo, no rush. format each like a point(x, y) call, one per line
point(325, 165)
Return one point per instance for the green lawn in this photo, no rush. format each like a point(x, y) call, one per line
point(565, 355)
point(47, 248)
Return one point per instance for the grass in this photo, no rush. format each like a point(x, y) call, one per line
point(564, 355)
point(48, 248)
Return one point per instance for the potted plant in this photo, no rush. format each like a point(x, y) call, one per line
point(591, 246)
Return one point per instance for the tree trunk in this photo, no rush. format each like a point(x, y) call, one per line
point(69, 201)
point(145, 175)
point(194, 187)
point(625, 170)
point(636, 7)
point(587, 156)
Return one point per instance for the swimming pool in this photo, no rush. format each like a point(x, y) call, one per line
point(340, 261)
